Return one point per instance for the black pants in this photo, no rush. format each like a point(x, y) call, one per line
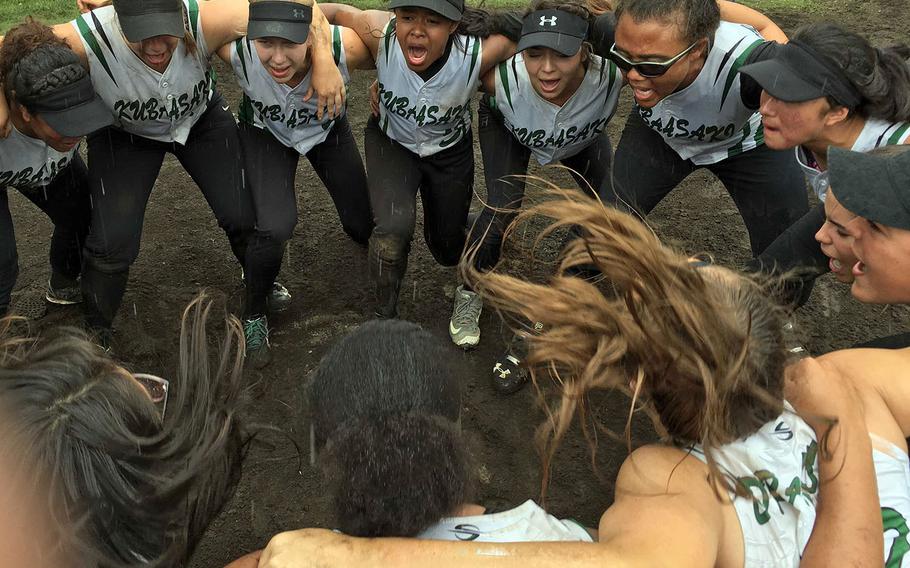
point(395, 174)
point(270, 169)
point(797, 254)
point(766, 185)
point(66, 202)
point(122, 170)
point(505, 165)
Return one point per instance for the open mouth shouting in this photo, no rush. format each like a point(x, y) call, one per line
point(281, 73)
point(416, 55)
point(549, 86)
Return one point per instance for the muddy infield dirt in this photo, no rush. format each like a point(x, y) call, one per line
point(183, 250)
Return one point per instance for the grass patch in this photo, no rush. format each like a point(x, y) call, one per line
point(767, 6)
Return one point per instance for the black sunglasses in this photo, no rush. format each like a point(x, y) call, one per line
point(648, 69)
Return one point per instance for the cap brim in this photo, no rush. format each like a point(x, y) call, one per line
point(865, 184)
point(138, 28)
point(781, 82)
point(79, 120)
point(563, 43)
point(295, 32)
point(441, 7)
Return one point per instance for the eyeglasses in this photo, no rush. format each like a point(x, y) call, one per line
point(157, 389)
point(648, 69)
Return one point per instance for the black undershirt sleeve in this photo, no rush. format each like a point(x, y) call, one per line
point(750, 90)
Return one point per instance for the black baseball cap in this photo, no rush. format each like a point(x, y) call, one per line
point(796, 72)
point(72, 110)
point(873, 185)
point(451, 9)
point(285, 19)
point(142, 19)
point(558, 30)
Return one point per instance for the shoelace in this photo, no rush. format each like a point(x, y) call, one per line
point(256, 332)
point(467, 310)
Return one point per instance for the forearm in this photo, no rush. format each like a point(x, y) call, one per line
point(340, 14)
point(321, 32)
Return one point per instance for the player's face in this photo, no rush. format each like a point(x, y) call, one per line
point(788, 125)
point(422, 35)
point(156, 52)
point(554, 76)
point(657, 41)
point(47, 134)
point(286, 62)
point(882, 271)
point(836, 241)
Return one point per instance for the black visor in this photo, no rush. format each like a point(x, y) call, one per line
point(558, 30)
point(797, 73)
point(73, 110)
point(142, 19)
point(449, 9)
point(287, 20)
point(874, 186)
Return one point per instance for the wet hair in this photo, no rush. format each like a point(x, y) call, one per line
point(599, 7)
point(703, 346)
point(127, 488)
point(34, 62)
point(695, 19)
point(881, 76)
point(385, 406)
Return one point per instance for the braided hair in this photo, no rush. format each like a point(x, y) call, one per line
point(34, 62)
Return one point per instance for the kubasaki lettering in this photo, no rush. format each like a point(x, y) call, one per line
point(29, 177)
point(426, 115)
point(561, 138)
point(679, 128)
point(293, 119)
point(173, 109)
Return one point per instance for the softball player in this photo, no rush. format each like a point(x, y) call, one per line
point(278, 124)
point(52, 106)
point(149, 62)
point(429, 64)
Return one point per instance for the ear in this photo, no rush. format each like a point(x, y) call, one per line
point(836, 115)
point(704, 45)
point(26, 116)
point(453, 26)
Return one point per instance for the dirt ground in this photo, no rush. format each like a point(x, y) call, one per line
point(183, 250)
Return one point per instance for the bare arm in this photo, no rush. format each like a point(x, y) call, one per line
point(496, 49)
point(488, 81)
point(356, 53)
point(733, 12)
point(368, 24)
point(223, 21)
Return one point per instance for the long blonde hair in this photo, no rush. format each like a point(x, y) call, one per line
point(701, 347)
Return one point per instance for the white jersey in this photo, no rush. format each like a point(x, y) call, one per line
point(27, 163)
point(777, 466)
point(427, 116)
point(875, 134)
point(159, 106)
point(525, 523)
point(552, 132)
point(707, 121)
point(279, 108)
point(892, 474)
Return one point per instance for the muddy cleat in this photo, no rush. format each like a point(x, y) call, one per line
point(258, 350)
point(464, 327)
point(279, 298)
point(63, 296)
point(509, 375)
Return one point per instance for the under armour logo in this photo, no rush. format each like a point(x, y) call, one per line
point(783, 431)
point(503, 373)
point(548, 20)
point(300, 14)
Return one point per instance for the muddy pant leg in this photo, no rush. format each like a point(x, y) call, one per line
point(393, 178)
point(338, 164)
point(505, 165)
point(446, 191)
point(122, 171)
point(211, 156)
point(769, 190)
point(796, 250)
point(66, 201)
point(645, 168)
point(9, 259)
point(269, 172)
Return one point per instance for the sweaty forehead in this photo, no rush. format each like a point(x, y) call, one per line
point(654, 38)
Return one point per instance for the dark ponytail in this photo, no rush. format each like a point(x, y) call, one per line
point(34, 62)
point(396, 475)
point(882, 76)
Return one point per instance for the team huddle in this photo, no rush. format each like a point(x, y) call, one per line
point(756, 435)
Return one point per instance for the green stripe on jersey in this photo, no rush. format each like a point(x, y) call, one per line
point(194, 18)
point(898, 134)
point(238, 45)
point(92, 42)
point(613, 70)
point(734, 68)
point(474, 55)
point(389, 34)
point(738, 149)
point(336, 44)
point(245, 113)
point(504, 76)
